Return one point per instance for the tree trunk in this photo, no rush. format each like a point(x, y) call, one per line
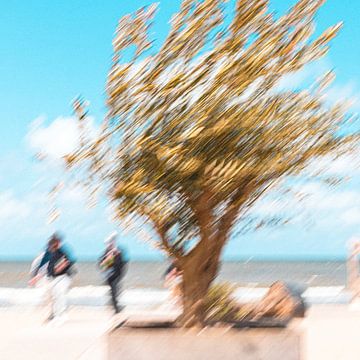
point(200, 267)
point(198, 274)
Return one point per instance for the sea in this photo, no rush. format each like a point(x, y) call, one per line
point(242, 273)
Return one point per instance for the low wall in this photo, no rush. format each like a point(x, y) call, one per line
point(210, 344)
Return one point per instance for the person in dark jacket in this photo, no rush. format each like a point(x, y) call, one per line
point(43, 260)
point(113, 265)
point(59, 266)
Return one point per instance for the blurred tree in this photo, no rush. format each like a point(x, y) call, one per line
point(197, 132)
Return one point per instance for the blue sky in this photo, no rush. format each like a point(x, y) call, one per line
point(52, 51)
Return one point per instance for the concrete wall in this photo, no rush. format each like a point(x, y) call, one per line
point(210, 344)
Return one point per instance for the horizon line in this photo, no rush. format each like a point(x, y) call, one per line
point(227, 259)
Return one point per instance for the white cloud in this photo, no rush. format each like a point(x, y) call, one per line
point(270, 207)
point(306, 76)
point(58, 138)
point(339, 200)
point(320, 197)
point(351, 217)
point(314, 203)
point(12, 208)
point(308, 73)
point(348, 91)
point(73, 195)
point(347, 165)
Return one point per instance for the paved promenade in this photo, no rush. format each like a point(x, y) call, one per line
point(329, 332)
point(23, 335)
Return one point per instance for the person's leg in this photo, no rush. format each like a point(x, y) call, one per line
point(61, 288)
point(65, 286)
point(114, 289)
point(52, 297)
point(46, 283)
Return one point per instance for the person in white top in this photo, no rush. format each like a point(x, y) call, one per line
point(173, 281)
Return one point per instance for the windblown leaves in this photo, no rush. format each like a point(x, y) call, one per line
point(204, 117)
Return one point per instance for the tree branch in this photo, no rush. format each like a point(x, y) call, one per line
point(161, 230)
